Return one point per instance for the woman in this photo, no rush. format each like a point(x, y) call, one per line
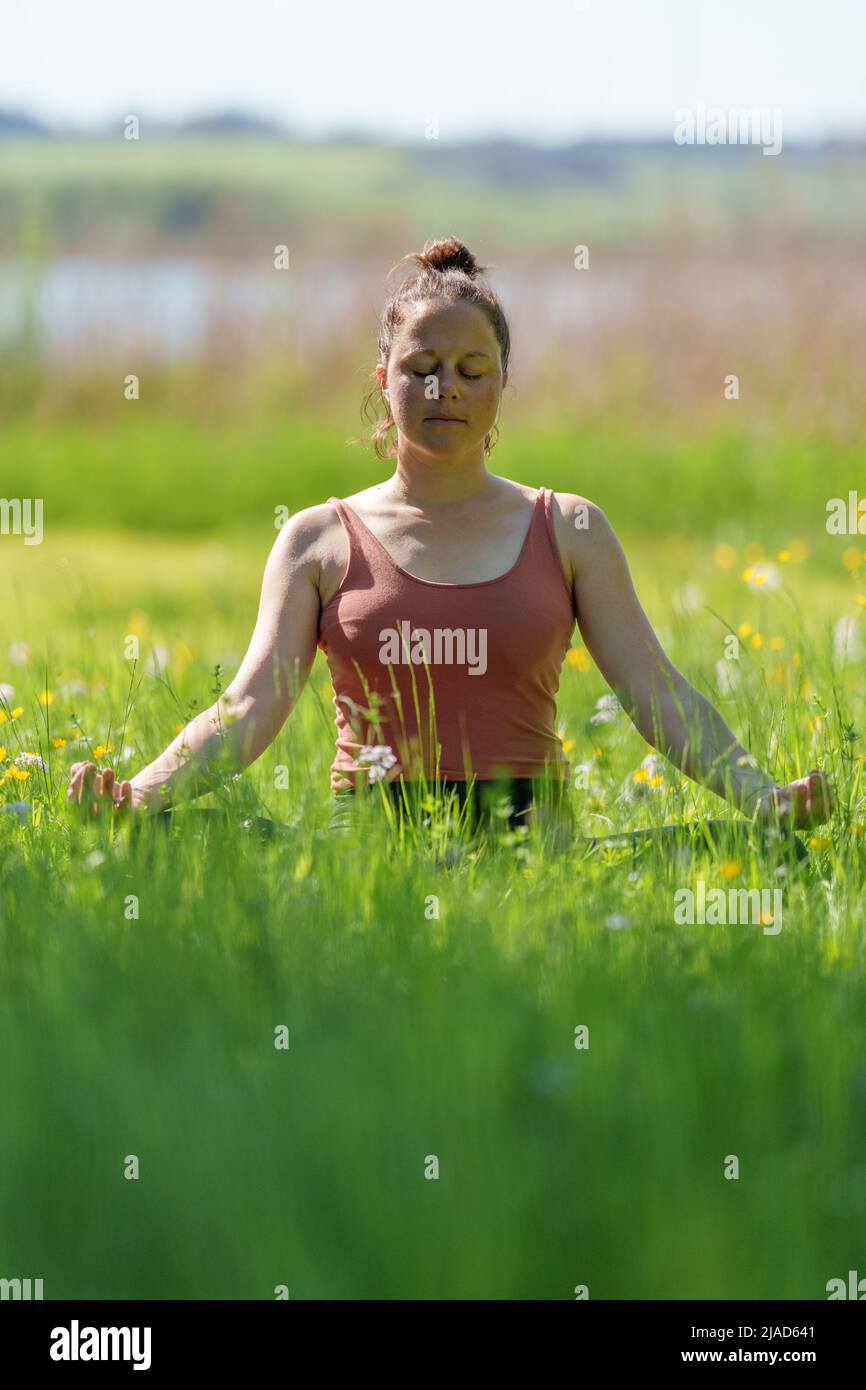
point(445, 600)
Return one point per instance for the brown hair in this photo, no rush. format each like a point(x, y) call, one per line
point(448, 271)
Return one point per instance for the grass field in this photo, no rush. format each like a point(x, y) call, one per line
point(145, 976)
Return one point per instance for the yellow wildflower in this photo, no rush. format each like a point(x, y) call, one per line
point(578, 657)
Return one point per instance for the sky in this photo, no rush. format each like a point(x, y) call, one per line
point(539, 70)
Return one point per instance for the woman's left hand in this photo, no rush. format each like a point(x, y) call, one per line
point(798, 806)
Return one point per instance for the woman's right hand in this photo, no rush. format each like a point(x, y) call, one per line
point(799, 805)
point(95, 793)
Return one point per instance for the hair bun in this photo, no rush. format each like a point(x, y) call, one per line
point(447, 253)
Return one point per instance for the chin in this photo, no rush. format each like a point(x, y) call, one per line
point(447, 439)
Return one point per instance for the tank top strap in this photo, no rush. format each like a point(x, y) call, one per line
point(549, 543)
point(345, 514)
point(358, 536)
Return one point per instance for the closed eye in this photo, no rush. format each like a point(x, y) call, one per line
point(470, 376)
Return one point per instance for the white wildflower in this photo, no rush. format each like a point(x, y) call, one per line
point(29, 760)
point(607, 708)
point(378, 758)
point(616, 921)
point(763, 576)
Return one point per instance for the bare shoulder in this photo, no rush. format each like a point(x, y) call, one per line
point(577, 512)
point(306, 539)
point(303, 530)
point(313, 542)
point(581, 528)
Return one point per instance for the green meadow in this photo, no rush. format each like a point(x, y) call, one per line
point(430, 987)
point(359, 1065)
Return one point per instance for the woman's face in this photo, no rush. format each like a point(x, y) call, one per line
point(450, 349)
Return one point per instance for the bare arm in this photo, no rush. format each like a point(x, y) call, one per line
point(246, 719)
point(659, 700)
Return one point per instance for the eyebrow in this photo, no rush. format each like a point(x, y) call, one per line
point(413, 351)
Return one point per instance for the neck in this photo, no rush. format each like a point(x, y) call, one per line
point(423, 482)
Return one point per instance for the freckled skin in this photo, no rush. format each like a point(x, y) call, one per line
point(442, 340)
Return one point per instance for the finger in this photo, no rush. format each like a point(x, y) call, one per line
point(85, 783)
point(76, 773)
point(826, 794)
point(76, 790)
point(120, 798)
point(807, 805)
point(820, 800)
point(89, 790)
point(76, 785)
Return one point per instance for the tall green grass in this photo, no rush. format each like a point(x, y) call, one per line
point(413, 1035)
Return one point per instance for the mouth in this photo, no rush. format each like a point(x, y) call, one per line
point(447, 419)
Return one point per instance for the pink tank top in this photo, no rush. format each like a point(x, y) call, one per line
point(491, 651)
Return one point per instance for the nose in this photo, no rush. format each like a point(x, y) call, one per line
point(446, 385)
